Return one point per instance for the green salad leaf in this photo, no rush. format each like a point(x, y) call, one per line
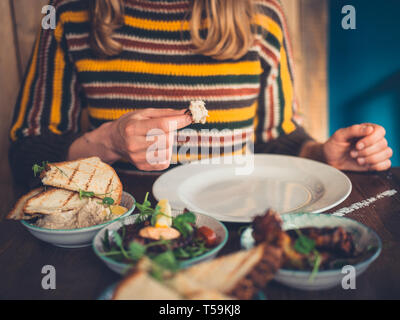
point(183, 223)
point(304, 245)
point(136, 250)
point(307, 246)
point(37, 169)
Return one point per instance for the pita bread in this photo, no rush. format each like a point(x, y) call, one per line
point(53, 201)
point(17, 213)
point(90, 174)
point(141, 286)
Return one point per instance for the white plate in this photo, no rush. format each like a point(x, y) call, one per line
point(283, 183)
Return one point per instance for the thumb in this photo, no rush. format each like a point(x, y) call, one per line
point(355, 131)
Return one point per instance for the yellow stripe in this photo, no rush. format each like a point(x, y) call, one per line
point(215, 116)
point(287, 86)
point(26, 92)
point(55, 115)
point(232, 115)
point(171, 26)
point(159, 25)
point(270, 25)
point(178, 158)
point(220, 69)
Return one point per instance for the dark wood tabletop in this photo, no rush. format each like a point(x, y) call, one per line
point(81, 275)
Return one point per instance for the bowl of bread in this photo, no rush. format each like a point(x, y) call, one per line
point(77, 199)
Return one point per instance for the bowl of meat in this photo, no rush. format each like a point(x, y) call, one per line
point(319, 250)
point(171, 240)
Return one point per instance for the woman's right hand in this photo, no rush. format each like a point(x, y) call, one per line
point(144, 137)
point(134, 134)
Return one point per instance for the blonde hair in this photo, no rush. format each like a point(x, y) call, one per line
point(228, 23)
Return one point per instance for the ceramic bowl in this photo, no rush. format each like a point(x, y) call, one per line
point(77, 238)
point(201, 220)
point(364, 238)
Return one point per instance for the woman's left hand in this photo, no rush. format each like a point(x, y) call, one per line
point(361, 147)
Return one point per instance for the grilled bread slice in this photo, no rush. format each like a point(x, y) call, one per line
point(90, 174)
point(17, 213)
point(221, 274)
point(139, 285)
point(240, 275)
point(236, 276)
point(53, 201)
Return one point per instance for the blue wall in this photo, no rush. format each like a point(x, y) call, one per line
point(364, 68)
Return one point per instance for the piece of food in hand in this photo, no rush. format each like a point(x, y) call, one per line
point(157, 233)
point(198, 111)
point(89, 175)
point(53, 201)
point(164, 220)
point(17, 213)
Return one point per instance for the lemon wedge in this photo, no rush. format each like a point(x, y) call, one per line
point(164, 220)
point(118, 210)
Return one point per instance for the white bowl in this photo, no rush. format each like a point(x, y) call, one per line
point(364, 237)
point(77, 238)
point(201, 220)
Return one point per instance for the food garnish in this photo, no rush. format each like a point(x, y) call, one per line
point(38, 169)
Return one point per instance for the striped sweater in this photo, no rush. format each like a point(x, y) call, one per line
point(156, 69)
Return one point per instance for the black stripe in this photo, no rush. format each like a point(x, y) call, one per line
point(181, 104)
point(198, 127)
point(128, 77)
point(179, 59)
point(152, 15)
point(48, 92)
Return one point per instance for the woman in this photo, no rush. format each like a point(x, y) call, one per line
point(135, 65)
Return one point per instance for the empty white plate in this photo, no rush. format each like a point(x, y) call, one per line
point(229, 190)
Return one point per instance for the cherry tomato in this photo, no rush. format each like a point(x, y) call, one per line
point(208, 235)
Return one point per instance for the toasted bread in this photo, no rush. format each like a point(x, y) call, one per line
point(90, 174)
point(53, 201)
point(17, 213)
point(207, 294)
point(141, 286)
point(222, 274)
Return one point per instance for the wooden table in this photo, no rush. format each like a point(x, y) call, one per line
point(81, 275)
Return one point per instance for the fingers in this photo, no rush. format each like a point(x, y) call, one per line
point(154, 113)
point(153, 161)
point(375, 148)
point(159, 126)
point(372, 138)
point(355, 131)
point(376, 158)
point(382, 166)
point(142, 143)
